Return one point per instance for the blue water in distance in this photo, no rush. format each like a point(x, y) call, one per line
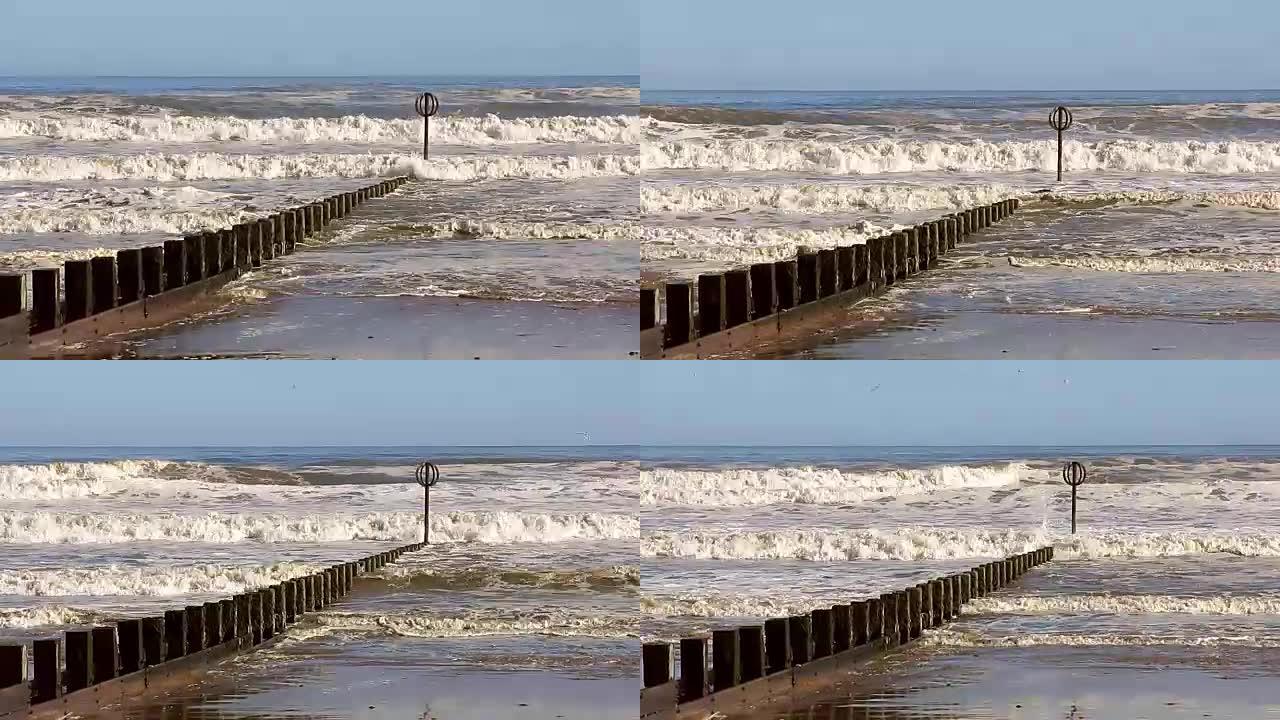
point(150, 85)
point(880, 100)
point(657, 455)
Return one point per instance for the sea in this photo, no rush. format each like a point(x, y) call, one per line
point(1163, 604)
point(1159, 242)
point(519, 240)
point(523, 605)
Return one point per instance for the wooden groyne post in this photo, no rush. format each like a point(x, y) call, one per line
point(755, 665)
point(48, 308)
point(739, 308)
point(108, 666)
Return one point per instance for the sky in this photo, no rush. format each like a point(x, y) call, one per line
point(673, 44)
point(318, 37)
point(642, 403)
point(949, 45)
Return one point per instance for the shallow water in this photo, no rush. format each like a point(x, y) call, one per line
point(1166, 218)
point(1173, 565)
point(526, 197)
point(532, 568)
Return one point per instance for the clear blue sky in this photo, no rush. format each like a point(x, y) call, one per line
point(947, 45)
point(548, 403)
point(317, 37)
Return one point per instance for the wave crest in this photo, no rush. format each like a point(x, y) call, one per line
point(817, 486)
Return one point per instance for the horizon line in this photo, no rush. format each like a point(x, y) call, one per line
point(635, 445)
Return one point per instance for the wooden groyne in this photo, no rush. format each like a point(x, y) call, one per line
point(145, 287)
point(739, 668)
point(738, 309)
point(106, 667)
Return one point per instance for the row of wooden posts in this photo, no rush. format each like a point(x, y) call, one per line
point(721, 301)
point(101, 284)
point(751, 663)
point(82, 660)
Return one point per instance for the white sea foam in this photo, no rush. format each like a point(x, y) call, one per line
point(815, 198)
point(159, 581)
point(1256, 199)
point(810, 485)
point(480, 623)
point(743, 246)
point(721, 606)
point(1164, 263)
point(833, 545)
point(890, 156)
point(498, 527)
point(1267, 604)
point(46, 616)
point(945, 544)
point(352, 129)
point(27, 259)
point(946, 637)
point(173, 167)
point(117, 221)
point(434, 576)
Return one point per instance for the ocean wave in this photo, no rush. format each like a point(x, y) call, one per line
point(420, 577)
point(946, 637)
point(351, 129)
point(946, 544)
point(479, 623)
point(1164, 263)
point(817, 486)
point(46, 616)
point(893, 156)
point(744, 246)
point(820, 198)
point(1130, 604)
point(721, 606)
point(128, 478)
point(498, 527)
point(118, 221)
point(186, 167)
point(28, 259)
point(1253, 199)
point(835, 545)
point(116, 580)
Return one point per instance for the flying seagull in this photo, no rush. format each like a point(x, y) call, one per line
point(586, 436)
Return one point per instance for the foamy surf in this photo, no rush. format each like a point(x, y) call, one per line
point(148, 581)
point(46, 616)
point(352, 129)
point(118, 221)
point(188, 167)
point(899, 156)
point(479, 623)
point(1129, 605)
point(811, 198)
point(498, 527)
point(811, 485)
point(1164, 263)
point(428, 577)
point(836, 545)
point(744, 246)
point(946, 544)
point(720, 606)
point(949, 638)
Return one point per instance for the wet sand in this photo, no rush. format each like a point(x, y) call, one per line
point(386, 328)
point(1097, 683)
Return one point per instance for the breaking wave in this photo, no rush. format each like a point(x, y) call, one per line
point(352, 129)
point(498, 527)
point(1130, 604)
point(480, 623)
point(744, 246)
point(186, 167)
point(1165, 263)
point(893, 156)
point(820, 198)
point(419, 577)
point(945, 637)
point(810, 485)
point(115, 580)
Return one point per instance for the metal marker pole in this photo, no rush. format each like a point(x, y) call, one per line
point(1073, 509)
point(427, 475)
point(1060, 164)
point(426, 142)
